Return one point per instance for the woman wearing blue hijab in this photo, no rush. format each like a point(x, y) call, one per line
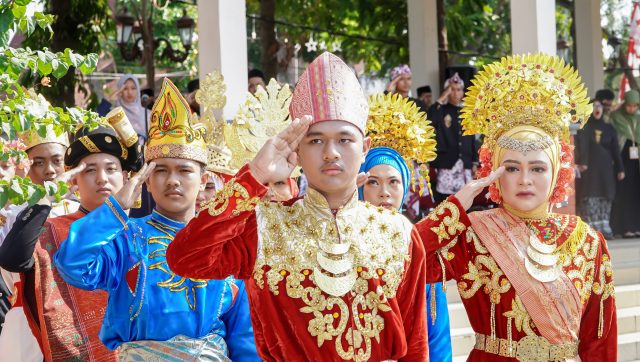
point(386, 185)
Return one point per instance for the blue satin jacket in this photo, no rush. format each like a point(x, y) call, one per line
point(147, 301)
point(440, 331)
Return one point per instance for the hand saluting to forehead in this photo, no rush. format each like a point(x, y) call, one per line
point(472, 189)
point(132, 189)
point(278, 157)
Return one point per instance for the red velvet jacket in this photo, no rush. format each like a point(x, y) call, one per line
point(275, 247)
point(449, 234)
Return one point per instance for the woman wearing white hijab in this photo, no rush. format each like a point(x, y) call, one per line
point(128, 97)
point(129, 100)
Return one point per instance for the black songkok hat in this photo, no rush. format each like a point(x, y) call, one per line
point(256, 73)
point(119, 142)
point(193, 85)
point(424, 89)
point(605, 94)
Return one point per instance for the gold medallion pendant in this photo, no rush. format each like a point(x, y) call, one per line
point(541, 260)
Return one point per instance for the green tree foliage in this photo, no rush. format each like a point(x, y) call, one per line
point(77, 24)
point(383, 20)
point(163, 19)
point(477, 30)
point(21, 109)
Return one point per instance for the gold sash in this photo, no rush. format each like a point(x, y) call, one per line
point(555, 306)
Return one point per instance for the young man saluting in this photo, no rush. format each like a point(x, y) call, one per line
point(344, 279)
point(152, 314)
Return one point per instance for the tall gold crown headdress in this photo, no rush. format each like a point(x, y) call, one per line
point(396, 122)
point(535, 90)
point(211, 97)
point(261, 117)
point(171, 132)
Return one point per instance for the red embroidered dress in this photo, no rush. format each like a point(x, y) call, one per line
point(515, 316)
point(297, 309)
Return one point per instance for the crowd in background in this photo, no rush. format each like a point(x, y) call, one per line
point(607, 168)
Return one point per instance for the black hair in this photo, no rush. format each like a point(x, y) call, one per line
point(605, 94)
point(256, 73)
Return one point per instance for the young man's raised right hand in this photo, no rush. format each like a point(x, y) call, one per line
point(278, 157)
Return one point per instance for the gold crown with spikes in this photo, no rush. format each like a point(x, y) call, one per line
point(261, 117)
point(211, 97)
point(396, 122)
point(171, 133)
point(31, 138)
point(535, 90)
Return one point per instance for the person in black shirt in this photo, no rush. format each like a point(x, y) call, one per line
point(598, 160)
point(457, 156)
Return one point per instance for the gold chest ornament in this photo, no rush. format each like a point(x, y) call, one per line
point(307, 236)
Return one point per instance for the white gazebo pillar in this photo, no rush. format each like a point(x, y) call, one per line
point(423, 44)
point(589, 44)
point(533, 26)
point(222, 46)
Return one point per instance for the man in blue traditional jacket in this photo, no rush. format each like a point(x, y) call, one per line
point(153, 314)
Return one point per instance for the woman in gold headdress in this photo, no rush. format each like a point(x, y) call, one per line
point(537, 285)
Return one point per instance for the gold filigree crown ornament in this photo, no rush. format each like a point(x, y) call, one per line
point(211, 98)
point(397, 123)
point(261, 117)
point(171, 132)
point(39, 106)
point(536, 90)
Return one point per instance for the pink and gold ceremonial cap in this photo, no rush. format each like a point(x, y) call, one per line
point(328, 90)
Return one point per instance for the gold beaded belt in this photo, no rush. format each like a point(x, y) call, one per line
point(527, 349)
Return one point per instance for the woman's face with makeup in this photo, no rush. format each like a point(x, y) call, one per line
point(527, 180)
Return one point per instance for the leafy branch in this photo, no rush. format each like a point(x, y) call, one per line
point(22, 109)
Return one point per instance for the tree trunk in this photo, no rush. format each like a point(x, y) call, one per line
point(149, 45)
point(268, 37)
point(64, 94)
point(628, 72)
point(443, 44)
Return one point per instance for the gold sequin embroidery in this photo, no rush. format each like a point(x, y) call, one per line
point(220, 202)
point(450, 225)
point(289, 238)
point(484, 272)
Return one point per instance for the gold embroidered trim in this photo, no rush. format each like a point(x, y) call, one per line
point(220, 202)
point(88, 144)
point(434, 306)
point(520, 317)
point(604, 288)
point(289, 238)
point(116, 213)
point(174, 283)
point(450, 225)
point(484, 272)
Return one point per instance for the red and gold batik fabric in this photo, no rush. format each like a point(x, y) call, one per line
point(65, 320)
point(514, 316)
point(282, 250)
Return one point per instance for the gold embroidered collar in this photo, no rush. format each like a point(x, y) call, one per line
point(317, 203)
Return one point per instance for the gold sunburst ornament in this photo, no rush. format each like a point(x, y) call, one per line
point(261, 117)
point(398, 123)
point(211, 97)
point(535, 89)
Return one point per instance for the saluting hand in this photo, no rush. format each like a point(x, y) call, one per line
point(469, 191)
point(277, 158)
point(132, 189)
point(65, 177)
point(361, 179)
